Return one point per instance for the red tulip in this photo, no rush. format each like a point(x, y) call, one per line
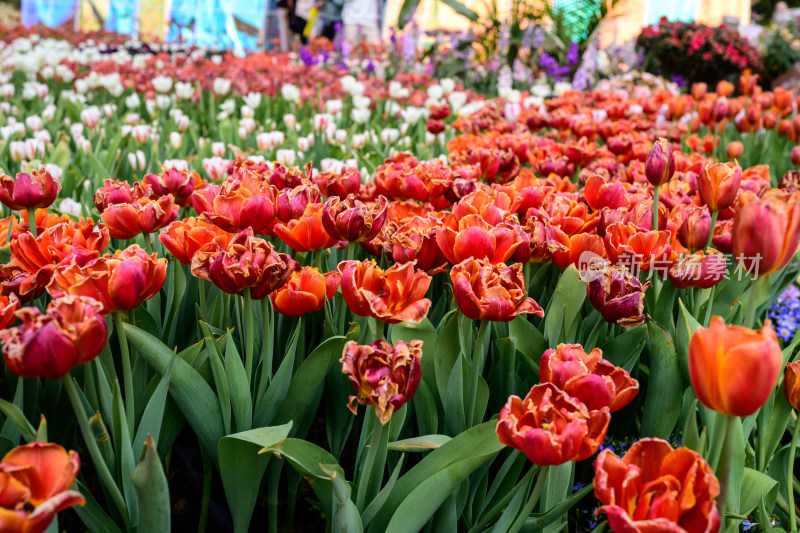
point(660, 165)
point(484, 291)
point(617, 294)
point(28, 190)
point(766, 232)
point(472, 237)
point(249, 203)
point(352, 220)
point(700, 269)
point(125, 221)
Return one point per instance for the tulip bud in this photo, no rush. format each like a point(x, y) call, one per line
point(766, 232)
point(718, 185)
point(699, 90)
point(796, 156)
point(734, 369)
point(660, 165)
point(693, 233)
point(791, 384)
point(736, 149)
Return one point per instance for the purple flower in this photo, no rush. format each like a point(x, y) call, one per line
point(572, 54)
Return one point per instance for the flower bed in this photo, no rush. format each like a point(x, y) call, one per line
point(277, 294)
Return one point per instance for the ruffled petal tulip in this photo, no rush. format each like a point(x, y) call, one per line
point(306, 233)
point(249, 203)
point(473, 237)
point(550, 427)
point(126, 221)
point(305, 291)
point(179, 183)
point(183, 238)
point(352, 220)
point(733, 368)
point(700, 269)
point(617, 294)
point(28, 190)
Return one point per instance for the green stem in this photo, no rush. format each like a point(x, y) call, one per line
point(32, 221)
point(532, 501)
point(206, 501)
point(249, 334)
point(100, 465)
point(709, 305)
point(201, 289)
point(714, 215)
point(750, 310)
point(655, 207)
point(790, 498)
point(726, 465)
point(127, 374)
point(148, 244)
point(477, 356)
point(371, 466)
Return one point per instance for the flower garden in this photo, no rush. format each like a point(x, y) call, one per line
point(268, 293)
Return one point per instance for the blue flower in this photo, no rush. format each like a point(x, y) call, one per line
point(578, 486)
point(747, 524)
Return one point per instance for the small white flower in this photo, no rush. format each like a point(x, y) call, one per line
point(222, 86)
point(70, 206)
point(162, 84)
point(288, 157)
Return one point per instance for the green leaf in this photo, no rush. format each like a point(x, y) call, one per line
point(662, 404)
point(150, 424)
point(273, 398)
point(242, 468)
point(125, 457)
point(345, 517)
point(194, 397)
point(448, 349)
point(479, 443)
point(407, 11)
point(758, 484)
point(684, 330)
point(152, 490)
point(377, 502)
point(420, 444)
point(16, 416)
point(565, 305)
point(241, 400)
point(556, 512)
point(530, 341)
point(92, 514)
point(461, 9)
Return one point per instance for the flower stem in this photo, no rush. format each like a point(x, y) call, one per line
point(206, 501)
point(32, 221)
point(532, 501)
point(750, 310)
point(714, 215)
point(249, 333)
point(477, 355)
point(127, 374)
point(370, 479)
point(655, 207)
point(726, 465)
point(97, 458)
point(790, 499)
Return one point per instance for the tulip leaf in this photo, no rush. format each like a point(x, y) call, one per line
point(425, 410)
point(758, 484)
point(308, 379)
point(556, 489)
point(564, 306)
point(620, 348)
point(448, 349)
point(150, 424)
point(377, 502)
point(92, 514)
point(425, 443)
point(555, 512)
point(97, 166)
point(242, 468)
point(279, 386)
point(514, 506)
point(194, 397)
point(530, 341)
point(344, 515)
point(684, 329)
point(662, 404)
point(665, 305)
point(478, 443)
point(241, 399)
point(423, 501)
point(455, 422)
point(15, 415)
point(125, 458)
point(152, 490)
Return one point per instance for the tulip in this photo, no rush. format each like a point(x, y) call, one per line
point(735, 150)
point(795, 156)
point(125, 221)
point(9, 303)
point(617, 294)
point(540, 241)
point(382, 375)
point(647, 250)
point(588, 377)
point(550, 427)
point(656, 488)
point(120, 282)
point(291, 203)
point(36, 478)
point(306, 233)
point(246, 262)
point(242, 204)
point(791, 384)
point(695, 229)
point(183, 238)
point(203, 198)
point(305, 291)
point(416, 241)
point(734, 369)
point(472, 237)
point(28, 190)
point(71, 332)
point(580, 246)
point(703, 270)
point(484, 291)
point(660, 165)
point(718, 184)
point(391, 296)
point(602, 193)
point(119, 192)
point(343, 183)
point(353, 221)
point(179, 183)
point(766, 232)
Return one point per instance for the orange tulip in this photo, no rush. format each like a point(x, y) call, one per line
point(125, 221)
point(392, 296)
point(473, 237)
point(382, 375)
point(580, 244)
point(246, 262)
point(305, 291)
point(306, 233)
point(71, 332)
point(733, 368)
point(35, 478)
point(718, 184)
point(654, 488)
point(766, 231)
point(587, 376)
point(8, 307)
point(791, 384)
point(699, 269)
point(120, 282)
point(550, 427)
point(183, 238)
point(249, 202)
point(484, 291)
point(646, 250)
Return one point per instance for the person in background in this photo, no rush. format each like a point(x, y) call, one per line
point(361, 20)
point(332, 14)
